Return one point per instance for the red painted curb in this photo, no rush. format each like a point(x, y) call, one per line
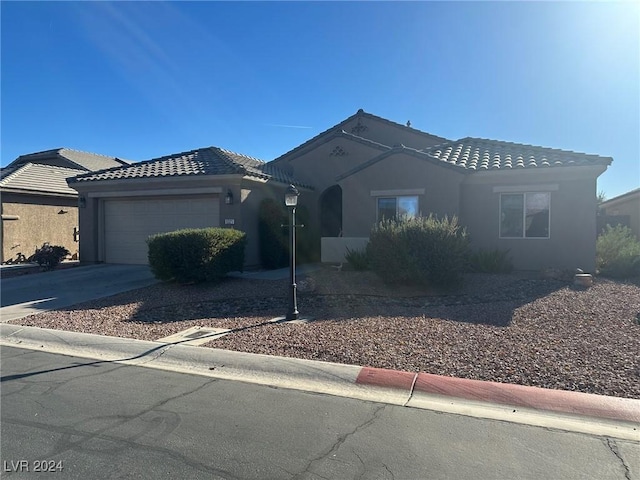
point(588, 404)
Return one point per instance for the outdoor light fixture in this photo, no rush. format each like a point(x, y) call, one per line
point(291, 196)
point(290, 201)
point(229, 198)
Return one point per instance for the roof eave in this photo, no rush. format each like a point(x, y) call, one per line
point(42, 193)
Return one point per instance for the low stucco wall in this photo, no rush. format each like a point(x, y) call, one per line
point(334, 249)
point(28, 226)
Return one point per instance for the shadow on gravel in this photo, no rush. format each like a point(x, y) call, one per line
point(350, 307)
point(261, 300)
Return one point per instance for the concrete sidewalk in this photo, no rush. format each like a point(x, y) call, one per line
point(562, 410)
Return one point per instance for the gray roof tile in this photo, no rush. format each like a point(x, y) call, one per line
point(69, 158)
point(37, 178)
point(202, 161)
point(482, 154)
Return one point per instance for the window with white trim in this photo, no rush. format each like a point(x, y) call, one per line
point(524, 215)
point(397, 207)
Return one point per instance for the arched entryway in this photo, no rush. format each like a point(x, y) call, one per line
point(331, 212)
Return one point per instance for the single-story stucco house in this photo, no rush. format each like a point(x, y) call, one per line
point(540, 203)
point(623, 209)
point(38, 206)
point(207, 187)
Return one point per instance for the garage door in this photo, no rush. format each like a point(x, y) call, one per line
point(129, 222)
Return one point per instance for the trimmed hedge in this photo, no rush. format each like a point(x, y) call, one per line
point(196, 255)
point(422, 251)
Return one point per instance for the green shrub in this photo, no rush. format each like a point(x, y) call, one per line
point(49, 256)
point(273, 237)
point(358, 259)
point(490, 261)
point(422, 250)
point(196, 255)
point(618, 252)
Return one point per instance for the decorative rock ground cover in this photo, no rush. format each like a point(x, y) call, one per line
point(515, 328)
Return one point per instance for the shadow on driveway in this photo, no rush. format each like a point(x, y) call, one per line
point(30, 294)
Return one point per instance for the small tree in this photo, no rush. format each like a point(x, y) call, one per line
point(618, 252)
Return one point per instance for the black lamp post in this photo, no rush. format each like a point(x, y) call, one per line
point(290, 201)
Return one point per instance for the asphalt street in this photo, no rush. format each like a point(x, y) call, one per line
point(81, 418)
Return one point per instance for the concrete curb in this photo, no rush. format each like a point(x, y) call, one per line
point(564, 410)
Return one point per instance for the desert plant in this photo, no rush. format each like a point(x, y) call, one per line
point(490, 261)
point(421, 250)
point(618, 252)
point(196, 255)
point(49, 256)
point(358, 259)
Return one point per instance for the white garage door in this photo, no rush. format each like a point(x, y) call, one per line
point(129, 222)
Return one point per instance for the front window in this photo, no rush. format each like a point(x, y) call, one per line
point(524, 215)
point(397, 207)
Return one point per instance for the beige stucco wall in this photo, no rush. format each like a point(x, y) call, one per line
point(627, 206)
point(320, 166)
point(335, 249)
point(253, 193)
point(397, 172)
point(572, 239)
point(39, 221)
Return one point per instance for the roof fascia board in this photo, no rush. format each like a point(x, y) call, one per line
point(326, 138)
point(623, 198)
point(156, 192)
point(401, 150)
point(41, 193)
point(309, 144)
point(567, 172)
point(107, 183)
point(371, 116)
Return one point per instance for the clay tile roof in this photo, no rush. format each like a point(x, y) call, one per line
point(202, 161)
point(69, 158)
point(38, 178)
point(483, 154)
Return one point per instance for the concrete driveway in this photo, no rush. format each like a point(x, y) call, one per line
point(30, 294)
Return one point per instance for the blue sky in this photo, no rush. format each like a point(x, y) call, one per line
point(140, 80)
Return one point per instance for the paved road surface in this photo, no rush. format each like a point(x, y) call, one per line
point(106, 420)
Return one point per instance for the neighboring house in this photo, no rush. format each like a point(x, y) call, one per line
point(208, 187)
point(37, 204)
point(540, 203)
point(623, 209)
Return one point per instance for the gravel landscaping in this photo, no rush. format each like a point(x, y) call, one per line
point(515, 328)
